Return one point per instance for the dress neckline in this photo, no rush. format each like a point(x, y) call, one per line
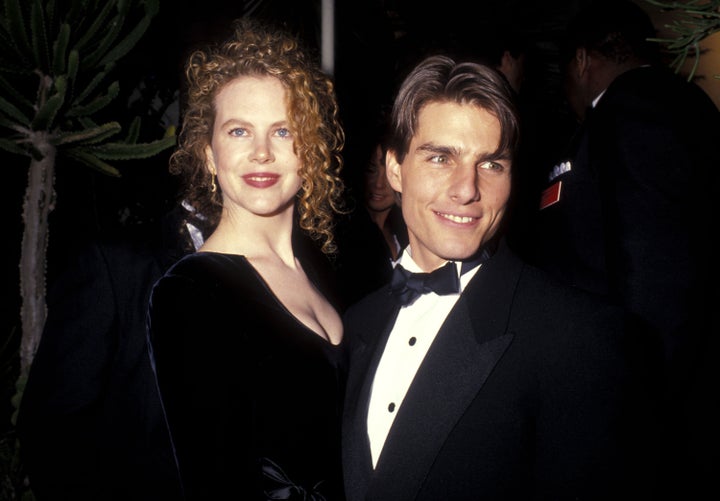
point(277, 301)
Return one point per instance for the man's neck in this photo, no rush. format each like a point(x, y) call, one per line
point(605, 72)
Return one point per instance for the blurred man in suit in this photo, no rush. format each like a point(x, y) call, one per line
point(91, 424)
point(630, 213)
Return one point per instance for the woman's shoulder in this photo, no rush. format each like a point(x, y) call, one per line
point(204, 264)
point(207, 271)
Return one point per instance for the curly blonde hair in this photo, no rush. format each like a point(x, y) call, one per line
point(261, 50)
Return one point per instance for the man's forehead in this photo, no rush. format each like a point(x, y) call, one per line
point(454, 118)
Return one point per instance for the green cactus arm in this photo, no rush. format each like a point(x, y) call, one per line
point(99, 23)
point(152, 7)
point(38, 35)
point(46, 114)
point(133, 131)
point(122, 48)
point(50, 12)
point(25, 148)
point(79, 7)
point(124, 151)
point(99, 77)
point(87, 122)
point(10, 110)
point(92, 161)
point(16, 27)
point(111, 34)
point(73, 65)
point(96, 104)
point(694, 21)
point(12, 147)
point(11, 124)
point(60, 49)
point(88, 136)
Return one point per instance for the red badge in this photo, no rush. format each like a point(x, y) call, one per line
point(550, 195)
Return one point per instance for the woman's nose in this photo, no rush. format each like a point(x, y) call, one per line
point(262, 152)
point(380, 180)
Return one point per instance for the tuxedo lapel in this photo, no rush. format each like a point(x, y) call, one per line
point(466, 349)
point(369, 337)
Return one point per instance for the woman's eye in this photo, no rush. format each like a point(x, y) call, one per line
point(372, 169)
point(283, 132)
point(238, 132)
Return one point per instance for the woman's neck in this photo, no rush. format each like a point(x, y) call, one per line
point(255, 238)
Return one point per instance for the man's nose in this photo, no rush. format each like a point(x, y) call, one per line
point(464, 187)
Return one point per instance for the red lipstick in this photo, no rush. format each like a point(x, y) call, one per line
point(261, 179)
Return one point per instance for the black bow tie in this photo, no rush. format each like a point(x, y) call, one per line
point(407, 286)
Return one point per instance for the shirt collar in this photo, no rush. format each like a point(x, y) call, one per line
point(406, 261)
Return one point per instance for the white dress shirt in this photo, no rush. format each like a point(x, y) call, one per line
point(414, 331)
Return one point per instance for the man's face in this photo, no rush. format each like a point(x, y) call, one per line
point(454, 185)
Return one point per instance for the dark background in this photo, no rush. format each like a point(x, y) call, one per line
point(375, 43)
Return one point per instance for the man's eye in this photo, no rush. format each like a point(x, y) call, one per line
point(489, 165)
point(283, 132)
point(238, 132)
point(438, 159)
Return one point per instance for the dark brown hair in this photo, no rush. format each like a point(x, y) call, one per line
point(441, 79)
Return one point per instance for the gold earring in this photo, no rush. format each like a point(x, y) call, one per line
point(213, 187)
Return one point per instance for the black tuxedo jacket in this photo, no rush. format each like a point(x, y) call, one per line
point(528, 392)
point(638, 203)
point(636, 221)
point(91, 424)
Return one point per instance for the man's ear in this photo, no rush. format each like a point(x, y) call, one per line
point(507, 63)
point(582, 60)
point(393, 171)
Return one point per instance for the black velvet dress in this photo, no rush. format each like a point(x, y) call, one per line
point(252, 396)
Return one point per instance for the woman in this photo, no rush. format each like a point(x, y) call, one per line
point(372, 235)
point(246, 342)
point(382, 206)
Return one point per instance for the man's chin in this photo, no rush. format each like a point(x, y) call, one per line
point(459, 253)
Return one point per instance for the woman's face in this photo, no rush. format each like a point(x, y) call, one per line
point(379, 195)
point(251, 150)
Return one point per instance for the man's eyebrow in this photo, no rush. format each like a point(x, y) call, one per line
point(437, 148)
point(451, 150)
point(497, 155)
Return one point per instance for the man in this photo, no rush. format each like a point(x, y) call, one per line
point(630, 213)
point(91, 424)
point(502, 385)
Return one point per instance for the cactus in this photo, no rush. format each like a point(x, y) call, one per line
point(694, 21)
point(56, 72)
